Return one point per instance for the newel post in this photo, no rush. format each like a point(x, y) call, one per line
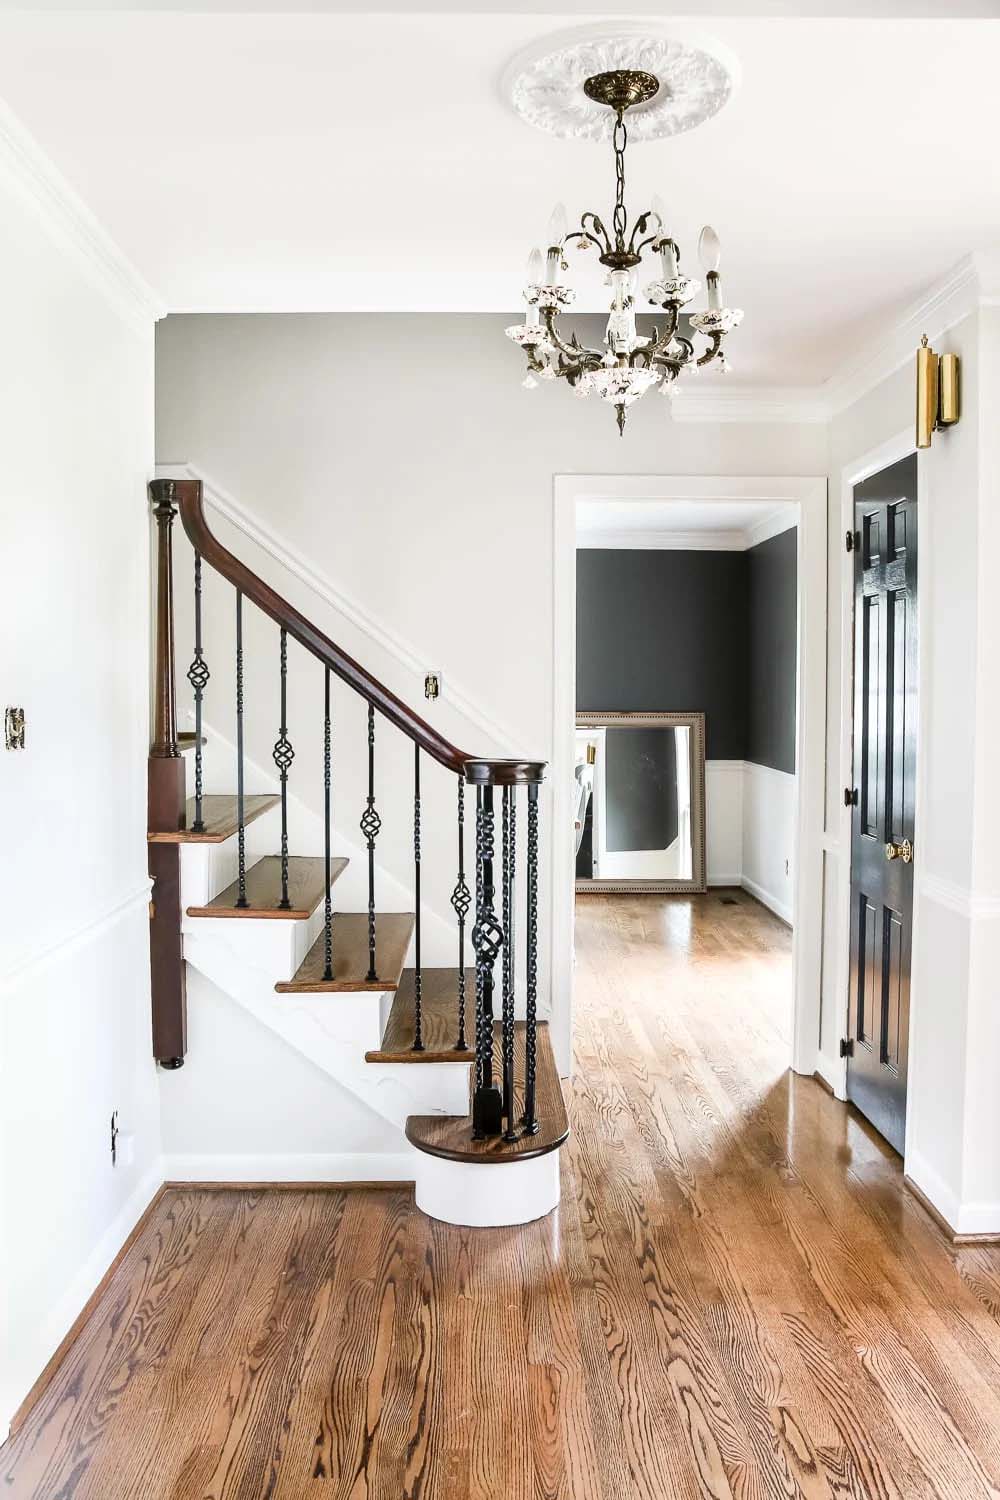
point(166, 794)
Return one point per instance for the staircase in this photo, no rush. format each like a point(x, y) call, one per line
point(472, 1086)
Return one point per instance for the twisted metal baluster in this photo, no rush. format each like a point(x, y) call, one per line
point(509, 863)
point(241, 831)
point(461, 900)
point(370, 825)
point(487, 938)
point(283, 757)
point(531, 1020)
point(327, 901)
point(418, 978)
point(197, 675)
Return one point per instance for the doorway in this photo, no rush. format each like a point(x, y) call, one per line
point(884, 545)
point(807, 499)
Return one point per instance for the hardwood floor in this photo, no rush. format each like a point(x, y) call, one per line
point(737, 1297)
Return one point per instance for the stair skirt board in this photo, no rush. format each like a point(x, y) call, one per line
point(490, 1195)
point(304, 1168)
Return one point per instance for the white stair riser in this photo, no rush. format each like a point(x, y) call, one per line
point(481, 1196)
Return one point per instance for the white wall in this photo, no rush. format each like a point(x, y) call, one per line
point(444, 532)
point(76, 403)
point(953, 1116)
point(750, 814)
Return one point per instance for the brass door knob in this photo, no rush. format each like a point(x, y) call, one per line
point(903, 851)
point(892, 851)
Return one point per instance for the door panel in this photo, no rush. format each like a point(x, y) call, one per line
point(885, 686)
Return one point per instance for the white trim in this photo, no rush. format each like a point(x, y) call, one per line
point(343, 1166)
point(735, 879)
point(972, 282)
point(772, 903)
point(963, 1218)
point(733, 767)
point(976, 906)
point(483, 1194)
point(67, 943)
point(237, 514)
point(829, 1070)
point(809, 495)
point(782, 518)
point(663, 541)
point(758, 768)
point(72, 225)
point(748, 404)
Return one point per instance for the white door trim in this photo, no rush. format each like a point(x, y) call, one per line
point(809, 495)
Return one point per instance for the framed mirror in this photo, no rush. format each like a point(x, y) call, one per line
point(640, 802)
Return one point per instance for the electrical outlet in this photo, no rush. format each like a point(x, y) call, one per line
point(114, 1137)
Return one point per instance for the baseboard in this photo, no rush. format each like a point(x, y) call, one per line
point(63, 1326)
point(963, 1223)
point(830, 1073)
point(302, 1169)
point(724, 880)
point(766, 899)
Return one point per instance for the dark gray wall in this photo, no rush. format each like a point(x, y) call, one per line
point(640, 768)
point(661, 631)
point(709, 631)
point(771, 633)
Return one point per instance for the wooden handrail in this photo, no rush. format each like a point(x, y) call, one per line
point(187, 495)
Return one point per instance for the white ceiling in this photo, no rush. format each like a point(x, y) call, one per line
point(337, 160)
point(715, 524)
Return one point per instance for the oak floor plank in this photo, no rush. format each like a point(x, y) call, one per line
point(736, 1298)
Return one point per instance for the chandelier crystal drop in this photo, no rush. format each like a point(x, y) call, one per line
point(631, 362)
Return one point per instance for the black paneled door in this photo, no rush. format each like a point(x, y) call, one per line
point(885, 742)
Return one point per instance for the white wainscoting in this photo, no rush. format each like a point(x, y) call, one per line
point(750, 818)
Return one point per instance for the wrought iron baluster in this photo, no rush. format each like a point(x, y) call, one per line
point(327, 900)
point(461, 900)
point(487, 937)
point(241, 832)
point(283, 757)
point(531, 1019)
point(370, 825)
point(507, 1030)
point(418, 976)
point(198, 675)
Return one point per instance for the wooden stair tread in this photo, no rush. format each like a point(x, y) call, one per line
point(220, 817)
point(306, 888)
point(450, 1136)
point(439, 1010)
point(393, 930)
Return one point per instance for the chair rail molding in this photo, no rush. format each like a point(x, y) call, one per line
point(78, 937)
point(73, 227)
point(412, 660)
point(976, 906)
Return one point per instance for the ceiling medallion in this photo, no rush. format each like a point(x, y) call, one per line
point(630, 362)
point(696, 74)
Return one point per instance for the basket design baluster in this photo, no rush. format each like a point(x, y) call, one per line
point(283, 755)
point(531, 1019)
point(487, 940)
point(198, 676)
point(509, 864)
point(370, 825)
point(461, 900)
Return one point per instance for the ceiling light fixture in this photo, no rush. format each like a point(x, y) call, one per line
point(630, 362)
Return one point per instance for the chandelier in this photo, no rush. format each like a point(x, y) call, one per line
point(630, 362)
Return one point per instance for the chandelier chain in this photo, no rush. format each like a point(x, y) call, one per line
point(619, 140)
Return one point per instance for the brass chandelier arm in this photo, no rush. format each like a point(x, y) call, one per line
point(578, 353)
point(713, 350)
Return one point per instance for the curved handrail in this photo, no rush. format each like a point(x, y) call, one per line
point(187, 495)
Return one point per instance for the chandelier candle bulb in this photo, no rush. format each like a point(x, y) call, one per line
point(714, 293)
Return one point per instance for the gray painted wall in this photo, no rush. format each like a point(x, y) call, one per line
point(772, 574)
point(665, 631)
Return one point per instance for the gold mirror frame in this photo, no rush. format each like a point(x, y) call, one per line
point(695, 722)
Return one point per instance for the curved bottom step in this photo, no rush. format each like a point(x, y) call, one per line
point(483, 1195)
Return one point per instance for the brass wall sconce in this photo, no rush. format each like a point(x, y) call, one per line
point(938, 403)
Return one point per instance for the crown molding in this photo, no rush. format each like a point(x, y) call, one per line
point(748, 404)
point(781, 518)
point(71, 225)
point(623, 540)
